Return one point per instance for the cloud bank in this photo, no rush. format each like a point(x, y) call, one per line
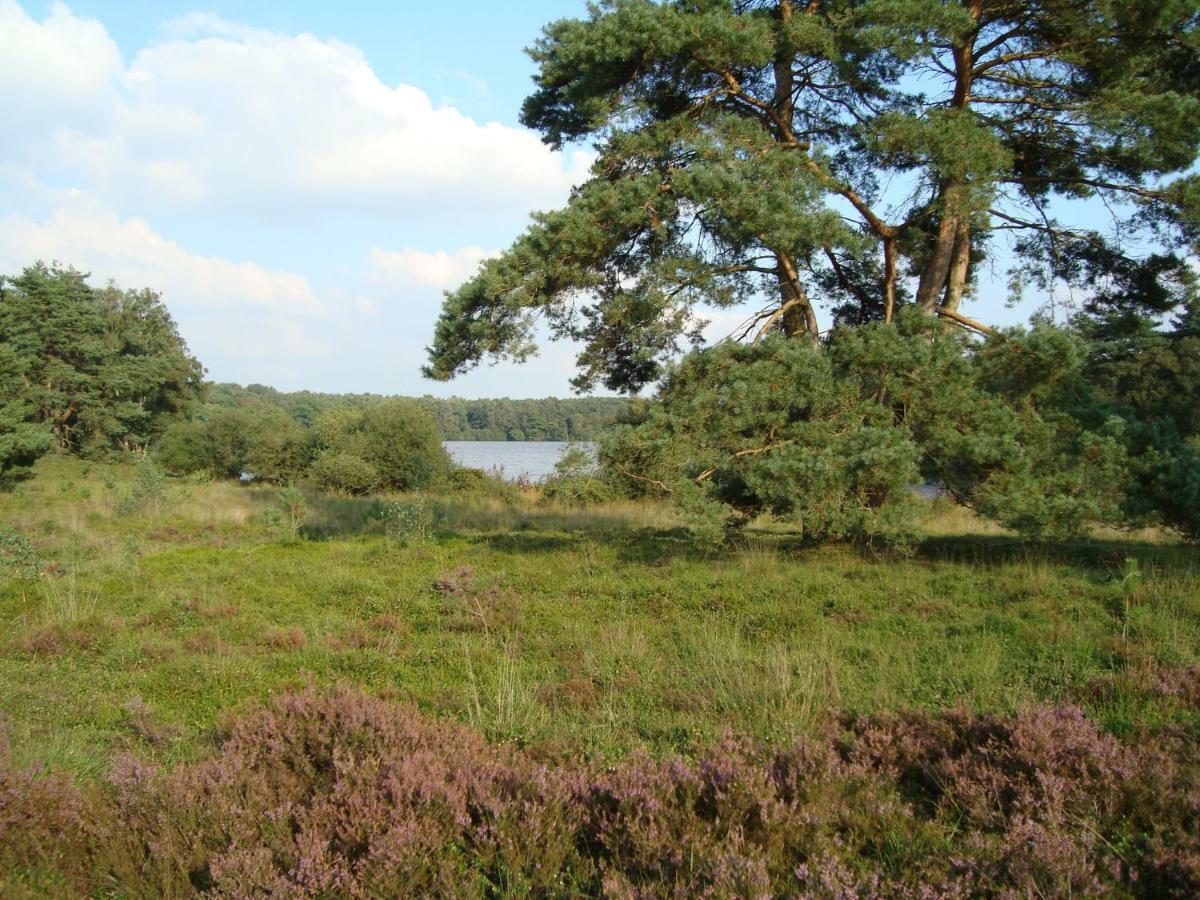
point(251, 133)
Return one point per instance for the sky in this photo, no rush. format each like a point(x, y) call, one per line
point(300, 181)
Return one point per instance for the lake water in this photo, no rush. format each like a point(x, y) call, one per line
point(533, 459)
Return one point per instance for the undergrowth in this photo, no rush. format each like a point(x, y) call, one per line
point(582, 646)
point(344, 794)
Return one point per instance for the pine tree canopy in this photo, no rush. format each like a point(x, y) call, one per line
point(858, 156)
point(88, 369)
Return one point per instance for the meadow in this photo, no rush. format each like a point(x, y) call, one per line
point(142, 615)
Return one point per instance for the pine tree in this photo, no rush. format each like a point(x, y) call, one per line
point(100, 369)
point(865, 153)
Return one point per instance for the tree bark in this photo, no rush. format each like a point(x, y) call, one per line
point(889, 275)
point(934, 275)
point(799, 318)
point(950, 256)
point(960, 267)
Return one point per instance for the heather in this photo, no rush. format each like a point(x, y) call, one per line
point(251, 689)
point(344, 794)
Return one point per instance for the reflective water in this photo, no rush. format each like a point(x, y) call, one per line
point(532, 459)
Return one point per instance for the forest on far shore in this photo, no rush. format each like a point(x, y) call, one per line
point(500, 419)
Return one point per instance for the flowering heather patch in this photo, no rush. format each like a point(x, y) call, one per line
point(345, 794)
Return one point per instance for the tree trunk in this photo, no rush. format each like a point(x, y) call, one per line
point(944, 276)
point(960, 267)
point(937, 267)
point(799, 318)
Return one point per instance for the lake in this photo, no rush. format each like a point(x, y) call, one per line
point(533, 459)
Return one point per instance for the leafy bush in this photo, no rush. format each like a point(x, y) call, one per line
point(478, 483)
point(834, 439)
point(400, 438)
point(18, 558)
point(577, 479)
point(148, 489)
point(226, 442)
point(335, 470)
point(406, 521)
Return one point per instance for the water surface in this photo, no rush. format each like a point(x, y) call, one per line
point(513, 459)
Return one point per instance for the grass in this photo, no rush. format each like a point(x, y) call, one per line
point(567, 631)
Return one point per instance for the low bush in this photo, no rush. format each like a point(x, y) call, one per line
point(470, 482)
point(18, 557)
point(344, 794)
point(405, 521)
point(578, 480)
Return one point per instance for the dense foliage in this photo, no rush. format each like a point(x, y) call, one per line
point(836, 439)
point(86, 369)
point(349, 795)
point(389, 444)
point(501, 419)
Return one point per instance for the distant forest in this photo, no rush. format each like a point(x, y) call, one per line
point(549, 419)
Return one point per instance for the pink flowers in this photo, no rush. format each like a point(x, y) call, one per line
point(346, 794)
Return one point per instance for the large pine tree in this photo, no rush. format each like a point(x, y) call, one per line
point(866, 153)
point(95, 369)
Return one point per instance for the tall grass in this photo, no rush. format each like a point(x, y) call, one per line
point(603, 629)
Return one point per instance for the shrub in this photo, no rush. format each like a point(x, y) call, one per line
point(400, 438)
point(344, 472)
point(478, 483)
point(18, 558)
point(148, 490)
point(577, 479)
point(833, 439)
point(294, 507)
point(406, 521)
point(395, 439)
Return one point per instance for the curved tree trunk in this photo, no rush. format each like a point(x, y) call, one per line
point(798, 319)
point(960, 268)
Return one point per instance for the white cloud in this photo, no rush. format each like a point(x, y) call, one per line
point(226, 118)
point(133, 254)
point(239, 318)
point(438, 269)
point(238, 137)
point(62, 69)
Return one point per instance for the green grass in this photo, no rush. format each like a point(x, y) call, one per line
point(593, 631)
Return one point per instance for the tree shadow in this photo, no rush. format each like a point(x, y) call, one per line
point(642, 546)
point(519, 529)
point(1090, 554)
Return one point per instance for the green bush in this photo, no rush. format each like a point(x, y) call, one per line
point(400, 438)
point(343, 472)
point(835, 439)
point(406, 521)
point(578, 480)
point(148, 490)
point(396, 440)
point(478, 483)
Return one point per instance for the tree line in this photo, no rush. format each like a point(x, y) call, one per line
point(458, 419)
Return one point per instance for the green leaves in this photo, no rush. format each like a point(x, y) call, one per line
point(835, 441)
point(89, 370)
